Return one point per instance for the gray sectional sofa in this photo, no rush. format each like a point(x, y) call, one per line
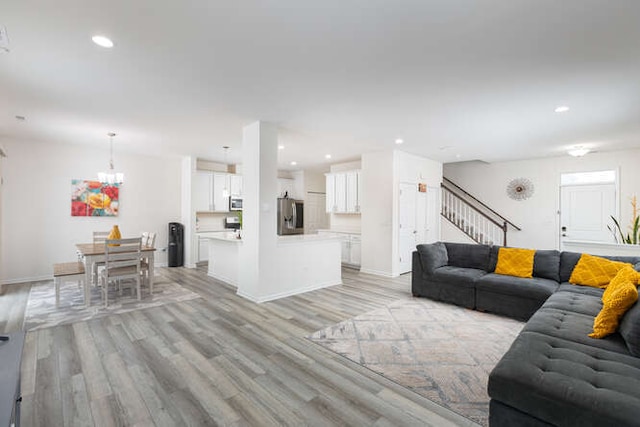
point(553, 374)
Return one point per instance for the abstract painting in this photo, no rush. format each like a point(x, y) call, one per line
point(93, 198)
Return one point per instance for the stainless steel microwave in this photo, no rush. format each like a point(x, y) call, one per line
point(235, 203)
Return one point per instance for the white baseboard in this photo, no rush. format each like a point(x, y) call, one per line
point(377, 272)
point(288, 293)
point(224, 279)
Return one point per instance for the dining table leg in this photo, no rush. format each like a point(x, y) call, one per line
point(151, 272)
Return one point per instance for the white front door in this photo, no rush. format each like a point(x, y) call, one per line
point(585, 212)
point(407, 225)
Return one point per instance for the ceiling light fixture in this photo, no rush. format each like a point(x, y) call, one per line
point(225, 190)
point(294, 163)
point(280, 147)
point(561, 109)
point(102, 41)
point(327, 156)
point(578, 151)
point(111, 177)
point(399, 141)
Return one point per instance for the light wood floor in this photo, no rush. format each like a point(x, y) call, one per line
point(215, 360)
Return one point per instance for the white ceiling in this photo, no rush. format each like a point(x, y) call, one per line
point(457, 80)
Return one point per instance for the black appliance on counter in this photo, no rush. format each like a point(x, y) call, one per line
point(232, 222)
point(176, 244)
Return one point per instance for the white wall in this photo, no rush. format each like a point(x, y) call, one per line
point(37, 227)
point(538, 216)
point(377, 213)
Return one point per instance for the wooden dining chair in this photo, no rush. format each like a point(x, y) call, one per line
point(148, 240)
point(122, 262)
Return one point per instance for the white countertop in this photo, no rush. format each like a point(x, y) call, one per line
point(228, 236)
point(341, 230)
point(198, 232)
point(303, 238)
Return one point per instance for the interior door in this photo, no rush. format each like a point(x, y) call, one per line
point(407, 225)
point(585, 212)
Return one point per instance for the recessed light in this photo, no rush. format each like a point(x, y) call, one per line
point(327, 156)
point(458, 156)
point(280, 147)
point(102, 41)
point(399, 141)
point(561, 109)
point(578, 151)
point(294, 163)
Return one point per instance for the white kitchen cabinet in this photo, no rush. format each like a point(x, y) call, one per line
point(220, 194)
point(203, 191)
point(209, 188)
point(203, 249)
point(350, 247)
point(344, 192)
point(355, 250)
point(236, 185)
point(286, 185)
point(330, 193)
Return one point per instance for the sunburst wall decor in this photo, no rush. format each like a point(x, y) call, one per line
point(520, 189)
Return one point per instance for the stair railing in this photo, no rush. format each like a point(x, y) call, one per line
point(472, 216)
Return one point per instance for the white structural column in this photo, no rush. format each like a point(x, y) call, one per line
point(257, 261)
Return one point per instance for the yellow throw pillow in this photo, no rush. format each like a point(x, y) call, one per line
point(626, 274)
point(515, 262)
point(623, 296)
point(595, 271)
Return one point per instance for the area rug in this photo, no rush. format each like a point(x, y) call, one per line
point(440, 351)
point(42, 312)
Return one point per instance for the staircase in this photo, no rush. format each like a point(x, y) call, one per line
point(472, 217)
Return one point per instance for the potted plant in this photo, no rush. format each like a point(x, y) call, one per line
point(632, 237)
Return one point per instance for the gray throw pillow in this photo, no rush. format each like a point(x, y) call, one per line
point(432, 256)
point(630, 329)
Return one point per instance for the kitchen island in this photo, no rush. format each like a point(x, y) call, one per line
point(304, 262)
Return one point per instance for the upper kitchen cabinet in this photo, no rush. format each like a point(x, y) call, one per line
point(236, 185)
point(286, 186)
point(211, 192)
point(343, 192)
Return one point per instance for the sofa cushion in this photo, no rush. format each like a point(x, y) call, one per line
point(579, 289)
point(546, 264)
point(595, 271)
point(573, 327)
point(515, 262)
point(567, 383)
point(575, 302)
point(457, 276)
point(533, 288)
point(468, 255)
point(432, 256)
point(630, 329)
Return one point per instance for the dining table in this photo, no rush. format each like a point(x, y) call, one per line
point(94, 252)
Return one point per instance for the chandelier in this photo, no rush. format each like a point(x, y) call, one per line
point(111, 177)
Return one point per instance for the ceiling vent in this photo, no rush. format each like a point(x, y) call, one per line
point(4, 39)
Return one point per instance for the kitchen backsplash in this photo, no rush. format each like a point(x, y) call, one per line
point(211, 221)
point(345, 221)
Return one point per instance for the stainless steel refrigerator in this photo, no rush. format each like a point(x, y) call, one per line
point(290, 216)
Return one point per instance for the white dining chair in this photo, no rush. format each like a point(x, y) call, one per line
point(122, 262)
point(99, 237)
point(148, 240)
